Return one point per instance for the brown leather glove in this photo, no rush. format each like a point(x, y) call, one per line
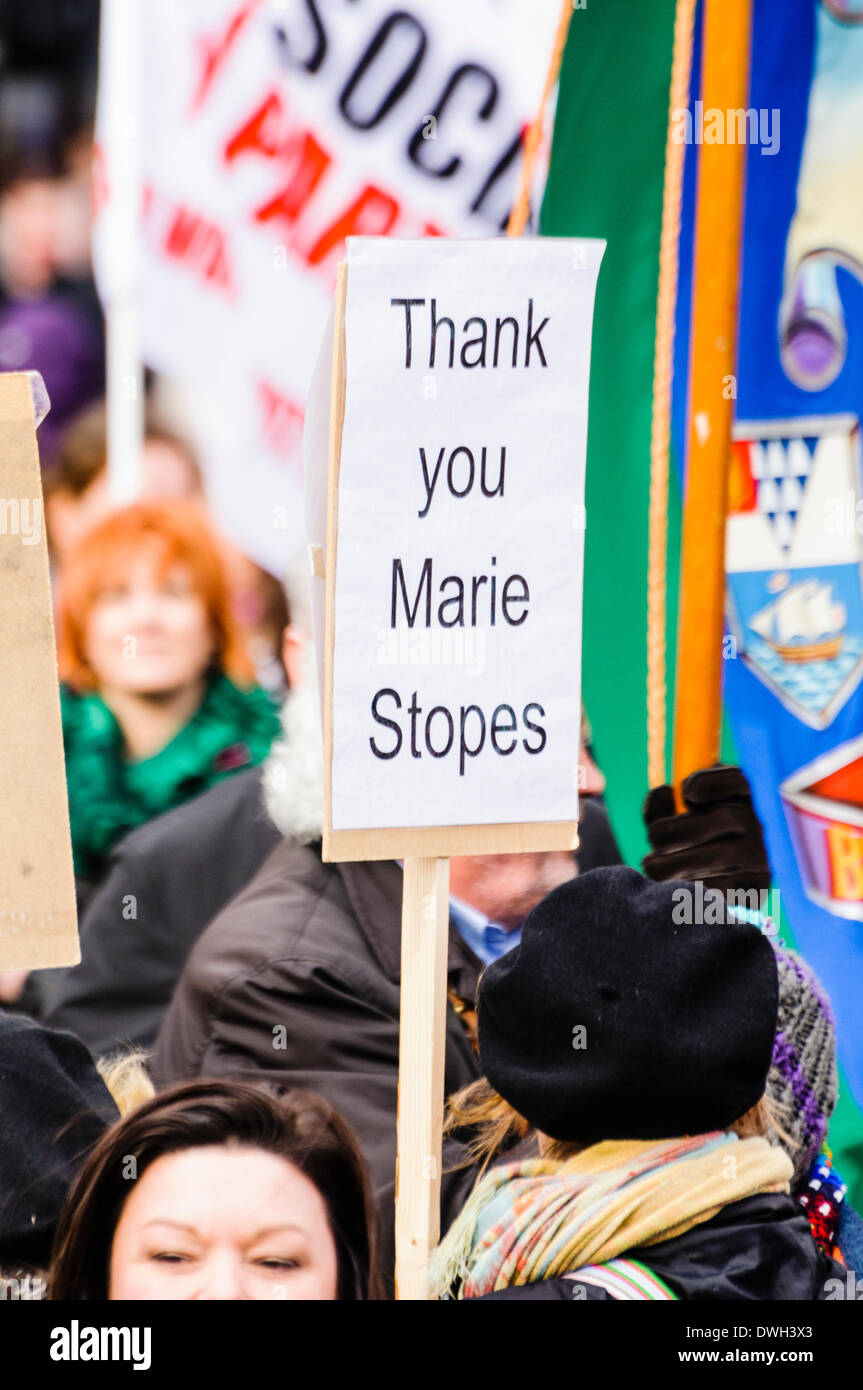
point(718, 839)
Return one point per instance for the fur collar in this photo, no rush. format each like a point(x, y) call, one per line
point(293, 775)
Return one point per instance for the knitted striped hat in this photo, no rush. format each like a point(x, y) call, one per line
point(803, 1081)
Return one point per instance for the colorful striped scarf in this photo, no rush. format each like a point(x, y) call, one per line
point(542, 1218)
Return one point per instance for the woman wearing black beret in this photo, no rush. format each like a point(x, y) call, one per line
point(636, 1045)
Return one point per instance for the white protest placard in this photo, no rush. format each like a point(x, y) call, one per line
point(457, 534)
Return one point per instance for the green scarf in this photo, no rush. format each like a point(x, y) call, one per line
point(109, 795)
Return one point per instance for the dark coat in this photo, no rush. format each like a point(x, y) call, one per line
point(179, 871)
point(297, 982)
point(55, 1107)
point(175, 873)
point(758, 1249)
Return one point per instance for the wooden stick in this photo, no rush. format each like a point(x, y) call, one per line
point(725, 85)
point(337, 420)
point(422, 1038)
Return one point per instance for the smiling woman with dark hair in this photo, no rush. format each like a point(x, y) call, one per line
point(220, 1190)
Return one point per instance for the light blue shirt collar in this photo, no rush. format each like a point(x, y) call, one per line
point(486, 939)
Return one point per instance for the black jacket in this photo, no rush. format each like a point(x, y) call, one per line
point(165, 882)
point(297, 982)
point(758, 1249)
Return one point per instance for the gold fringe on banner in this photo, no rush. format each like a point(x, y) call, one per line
point(533, 139)
point(660, 424)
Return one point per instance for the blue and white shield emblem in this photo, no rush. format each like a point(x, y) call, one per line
point(794, 550)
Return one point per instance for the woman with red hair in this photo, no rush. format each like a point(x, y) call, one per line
point(157, 692)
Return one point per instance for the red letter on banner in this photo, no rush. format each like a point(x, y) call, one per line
point(372, 214)
point(313, 162)
point(261, 132)
point(283, 420)
point(201, 245)
point(214, 53)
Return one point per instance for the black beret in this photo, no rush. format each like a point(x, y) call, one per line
point(618, 1016)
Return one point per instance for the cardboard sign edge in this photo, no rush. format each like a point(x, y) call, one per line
point(35, 949)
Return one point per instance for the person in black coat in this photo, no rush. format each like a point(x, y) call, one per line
point(634, 1044)
point(55, 1108)
point(165, 882)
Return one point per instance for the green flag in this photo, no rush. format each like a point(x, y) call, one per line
point(606, 180)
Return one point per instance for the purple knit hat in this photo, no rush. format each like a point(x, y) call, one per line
point(53, 336)
point(803, 1080)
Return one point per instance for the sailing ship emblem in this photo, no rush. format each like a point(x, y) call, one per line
point(794, 560)
point(803, 624)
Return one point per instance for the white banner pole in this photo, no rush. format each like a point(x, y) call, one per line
point(118, 122)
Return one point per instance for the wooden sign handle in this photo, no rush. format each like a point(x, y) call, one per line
point(422, 1041)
